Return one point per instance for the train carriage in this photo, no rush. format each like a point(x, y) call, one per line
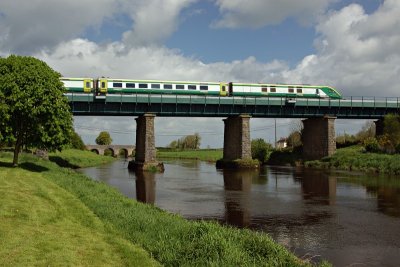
point(103, 86)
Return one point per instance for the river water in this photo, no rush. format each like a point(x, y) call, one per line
point(345, 218)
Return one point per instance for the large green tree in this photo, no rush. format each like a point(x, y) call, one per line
point(104, 138)
point(35, 112)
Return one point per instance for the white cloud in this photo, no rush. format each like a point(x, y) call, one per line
point(154, 20)
point(40, 24)
point(356, 52)
point(258, 13)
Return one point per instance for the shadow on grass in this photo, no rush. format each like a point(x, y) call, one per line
point(29, 166)
point(62, 162)
point(5, 164)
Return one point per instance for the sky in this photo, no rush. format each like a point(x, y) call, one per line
point(353, 46)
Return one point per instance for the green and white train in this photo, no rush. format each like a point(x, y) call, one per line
point(103, 86)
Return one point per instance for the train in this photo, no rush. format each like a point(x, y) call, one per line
point(100, 87)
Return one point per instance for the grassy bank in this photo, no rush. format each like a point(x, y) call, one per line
point(70, 216)
point(201, 154)
point(74, 158)
point(354, 158)
point(43, 224)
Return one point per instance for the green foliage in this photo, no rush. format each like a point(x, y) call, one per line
point(108, 152)
point(294, 139)
point(371, 145)
point(34, 111)
point(354, 158)
point(76, 141)
point(104, 138)
point(186, 142)
point(392, 128)
point(260, 150)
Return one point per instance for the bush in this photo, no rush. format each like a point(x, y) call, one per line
point(260, 150)
point(398, 148)
point(371, 145)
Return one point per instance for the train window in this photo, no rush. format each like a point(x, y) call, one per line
point(130, 85)
point(192, 87)
point(180, 86)
point(167, 86)
point(291, 89)
point(155, 86)
point(103, 85)
point(264, 89)
point(87, 85)
point(143, 85)
point(117, 84)
point(203, 87)
point(272, 89)
point(299, 90)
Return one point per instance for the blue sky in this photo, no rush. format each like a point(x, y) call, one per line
point(350, 45)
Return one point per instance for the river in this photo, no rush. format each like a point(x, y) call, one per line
point(343, 217)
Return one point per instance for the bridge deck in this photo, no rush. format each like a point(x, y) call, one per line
point(212, 106)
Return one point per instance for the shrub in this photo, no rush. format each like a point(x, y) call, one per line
point(371, 145)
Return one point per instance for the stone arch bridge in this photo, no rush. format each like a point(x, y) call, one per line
point(115, 149)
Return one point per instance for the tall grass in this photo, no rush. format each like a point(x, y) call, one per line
point(354, 158)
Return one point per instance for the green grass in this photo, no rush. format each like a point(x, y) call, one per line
point(43, 224)
point(354, 158)
point(74, 158)
point(201, 154)
point(74, 220)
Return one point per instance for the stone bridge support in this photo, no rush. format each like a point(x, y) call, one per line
point(145, 157)
point(379, 127)
point(318, 137)
point(237, 144)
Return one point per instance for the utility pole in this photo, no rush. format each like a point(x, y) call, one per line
point(275, 134)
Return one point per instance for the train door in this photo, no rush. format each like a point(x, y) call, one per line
point(223, 89)
point(103, 86)
point(230, 91)
point(87, 85)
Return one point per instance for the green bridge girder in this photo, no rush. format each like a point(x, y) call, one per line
point(214, 106)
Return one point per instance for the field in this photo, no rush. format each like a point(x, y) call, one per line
point(55, 216)
point(211, 155)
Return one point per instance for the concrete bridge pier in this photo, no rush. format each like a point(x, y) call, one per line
point(379, 127)
point(318, 137)
point(237, 144)
point(145, 157)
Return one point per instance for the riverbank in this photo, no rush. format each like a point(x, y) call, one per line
point(211, 155)
point(129, 231)
point(355, 159)
point(74, 158)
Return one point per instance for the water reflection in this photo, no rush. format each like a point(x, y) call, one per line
point(237, 186)
point(345, 218)
point(145, 187)
point(318, 186)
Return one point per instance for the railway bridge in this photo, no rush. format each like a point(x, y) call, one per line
point(127, 150)
point(319, 117)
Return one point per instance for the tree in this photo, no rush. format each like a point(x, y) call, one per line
point(186, 142)
point(76, 141)
point(391, 128)
point(104, 138)
point(260, 149)
point(35, 113)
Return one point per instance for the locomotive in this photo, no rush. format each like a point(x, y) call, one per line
point(102, 86)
